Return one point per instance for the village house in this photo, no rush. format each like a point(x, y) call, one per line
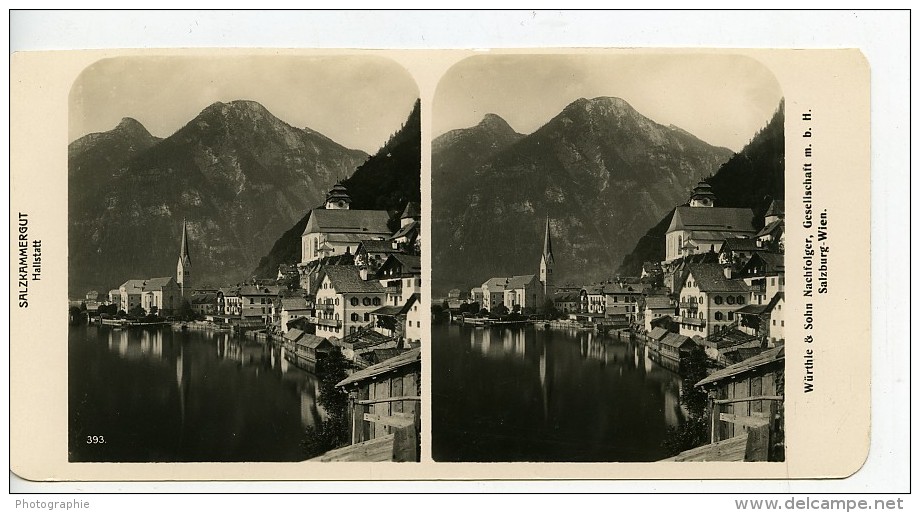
point(131, 292)
point(384, 411)
point(343, 301)
point(370, 254)
point(401, 322)
point(204, 304)
point(736, 251)
point(401, 274)
point(407, 237)
point(709, 299)
point(160, 295)
point(256, 302)
point(290, 308)
point(566, 302)
point(746, 405)
point(656, 307)
point(493, 293)
point(229, 302)
point(337, 229)
point(593, 301)
point(523, 292)
point(766, 274)
point(115, 299)
point(477, 296)
point(621, 299)
point(701, 226)
point(773, 234)
point(727, 345)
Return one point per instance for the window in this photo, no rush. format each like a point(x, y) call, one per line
point(336, 301)
point(772, 281)
point(740, 300)
point(354, 301)
point(782, 323)
point(731, 315)
point(774, 322)
point(376, 301)
point(717, 300)
point(701, 299)
point(366, 301)
point(730, 300)
point(718, 316)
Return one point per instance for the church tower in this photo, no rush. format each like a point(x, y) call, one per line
point(338, 198)
point(183, 268)
point(702, 196)
point(547, 261)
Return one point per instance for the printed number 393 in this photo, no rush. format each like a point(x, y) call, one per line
point(95, 439)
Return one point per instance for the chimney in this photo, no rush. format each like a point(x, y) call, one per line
point(363, 273)
point(728, 271)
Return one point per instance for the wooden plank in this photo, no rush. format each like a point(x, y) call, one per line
point(743, 420)
point(758, 444)
point(405, 444)
point(392, 399)
point(753, 398)
point(398, 420)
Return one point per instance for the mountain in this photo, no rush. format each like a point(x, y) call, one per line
point(456, 153)
point(239, 174)
point(601, 171)
point(750, 179)
point(388, 180)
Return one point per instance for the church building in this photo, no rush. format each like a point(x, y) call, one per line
point(337, 229)
point(701, 226)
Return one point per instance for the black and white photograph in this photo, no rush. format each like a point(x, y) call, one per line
point(608, 259)
point(244, 259)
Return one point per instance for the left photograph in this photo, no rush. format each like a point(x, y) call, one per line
point(244, 260)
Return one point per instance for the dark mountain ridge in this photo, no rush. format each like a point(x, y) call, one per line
point(388, 180)
point(752, 178)
point(237, 173)
point(599, 170)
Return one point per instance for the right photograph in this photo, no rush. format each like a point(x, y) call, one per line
point(608, 259)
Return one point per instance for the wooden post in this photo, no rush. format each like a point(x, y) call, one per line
point(405, 444)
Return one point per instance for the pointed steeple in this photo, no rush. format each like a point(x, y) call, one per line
point(183, 251)
point(548, 244)
point(547, 262)
point(184, 266)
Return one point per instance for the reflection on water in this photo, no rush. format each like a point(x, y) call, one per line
point(159, 395)
point(538, 395)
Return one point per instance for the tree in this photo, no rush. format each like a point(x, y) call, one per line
point(76, 316)
point(500, 310)
point(137, 311)
point(186, 313)
point(694, 432)
point(333, 431)
point(549, 309)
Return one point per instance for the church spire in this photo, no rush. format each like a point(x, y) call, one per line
point(547, 262)
point(547, 244)
point(184, 266)
point(183, 251)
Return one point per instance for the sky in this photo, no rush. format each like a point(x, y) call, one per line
point(723, 99)
point(357, 101)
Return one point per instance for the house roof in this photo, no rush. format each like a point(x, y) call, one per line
point(410, 264)
point(376, 246)
point(519, 282)
point(619, 288)
point(675, 341)
point(312, 341)
point(729, 338)
point(495, 283)
point(294, 334)
point(364, 338)
point(133, 286)
point(658, 302)
point(204, 299)
point(565, 297)
point(262, 290)
point(711, 278)
point(412, 210)
point(382, 355)
point(741, 244)
point(712, 219)
point(770, 263)
point(777, 208)
point(157, 283)
point(388, 310)
point(658, 333)
point(770, 228)
point(764, 358)
point(345, 279)
point(369, 222)
point(295, 303)
point(408, 358)
point(406, 230)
